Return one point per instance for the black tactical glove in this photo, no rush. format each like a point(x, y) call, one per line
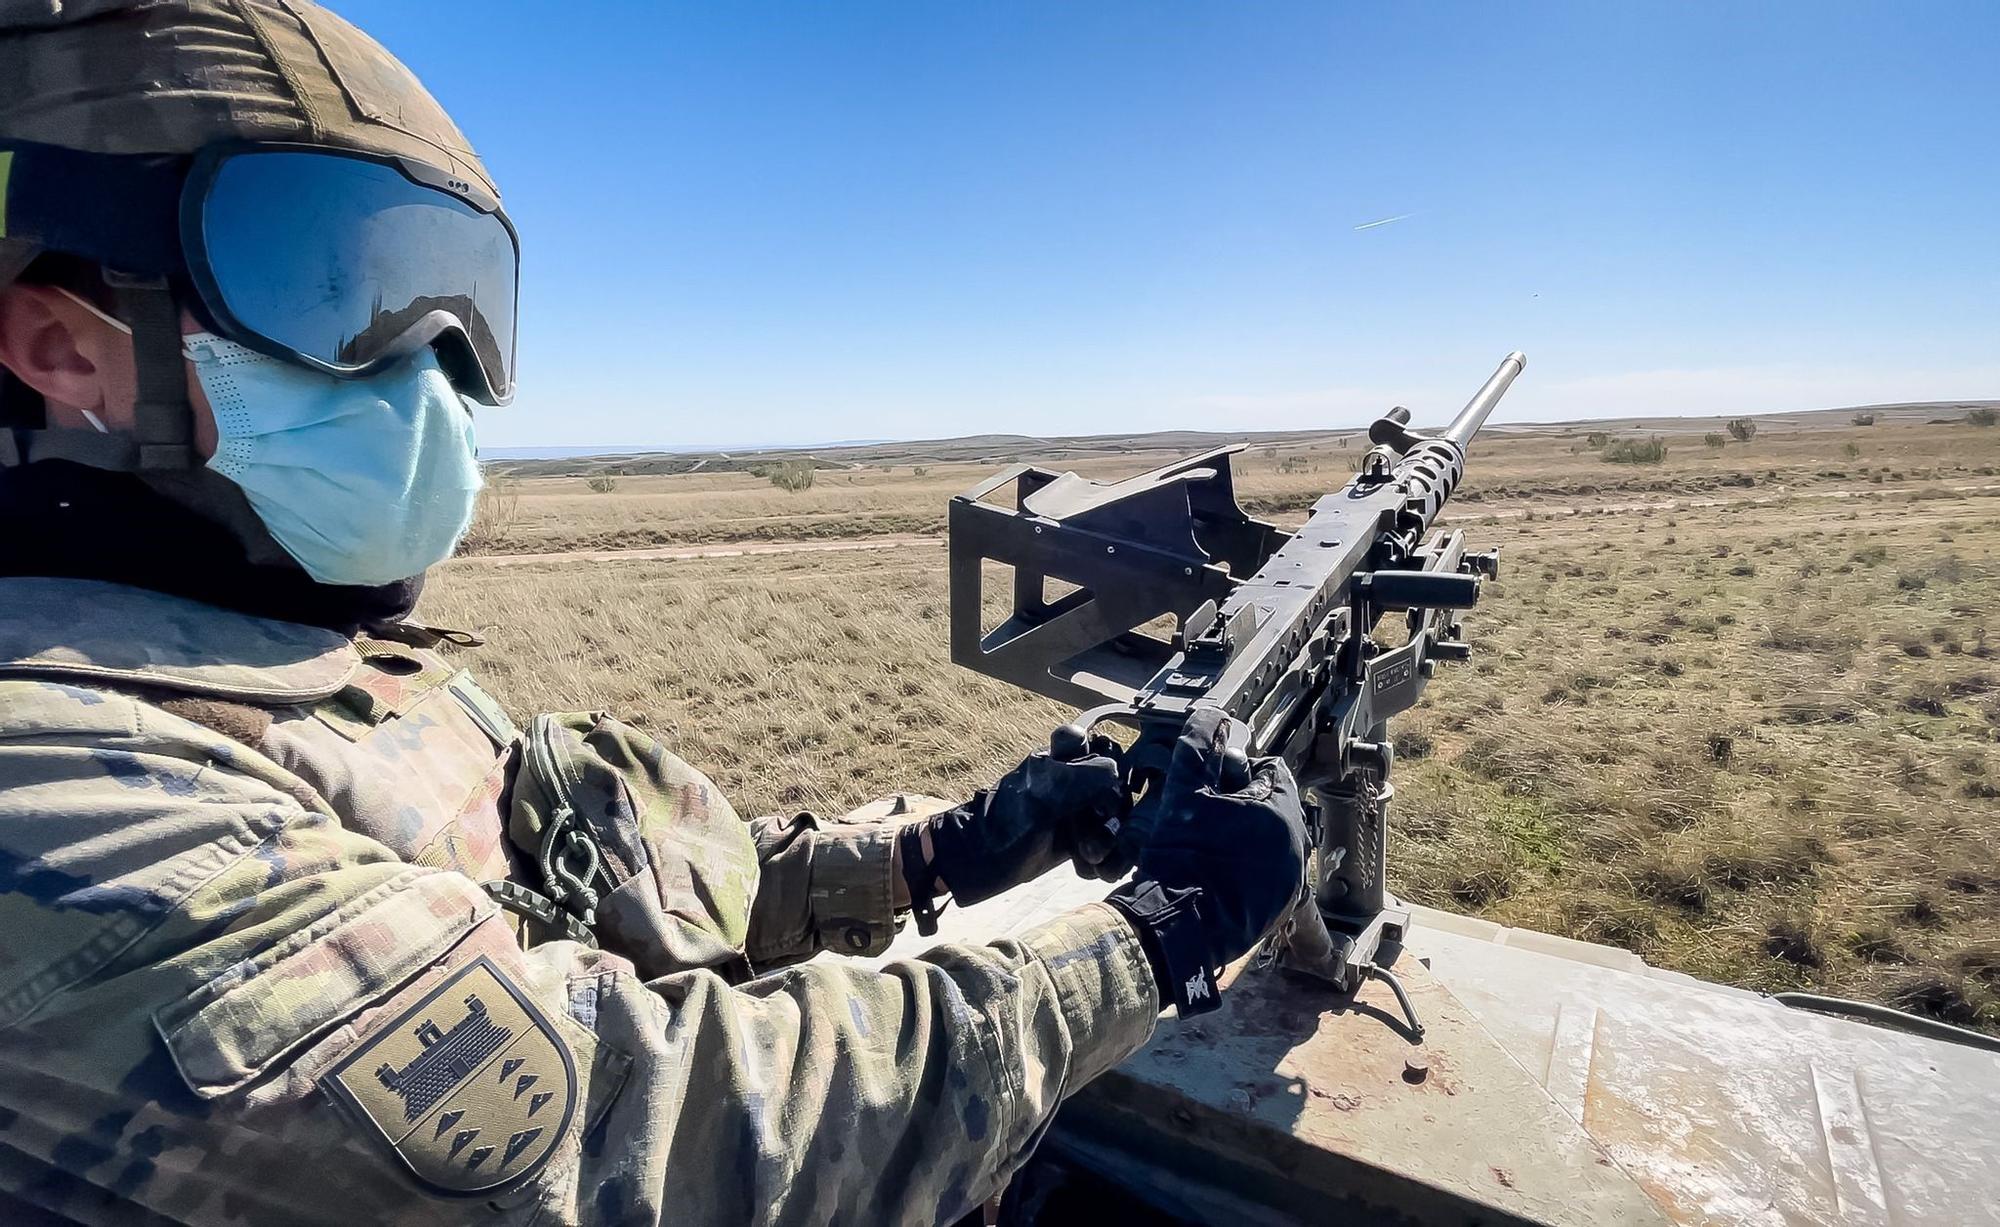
point(1047, 810)
point(1221, 868)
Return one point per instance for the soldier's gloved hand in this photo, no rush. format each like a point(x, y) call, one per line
point(1049, 809)
point(1221, 868)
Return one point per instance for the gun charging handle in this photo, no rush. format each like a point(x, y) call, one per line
point(1392, 430)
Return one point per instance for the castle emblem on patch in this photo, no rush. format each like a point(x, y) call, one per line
point(472, 1087)
point(448, 1058)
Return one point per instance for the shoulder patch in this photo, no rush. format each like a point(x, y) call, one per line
point(472, 1087)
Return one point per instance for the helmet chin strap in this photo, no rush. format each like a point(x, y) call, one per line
point(163, 415)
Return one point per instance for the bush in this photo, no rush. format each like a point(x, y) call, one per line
point(793, 475)
point(495, 517)
point(602, 484)
point(1414, 744)
point(1851, 450)
point(1864, 419)
point(1597, 438)
point(1981, 417)
point(1637, 451)
point(922, 470)
point(1741, 429)
point(1712, 439)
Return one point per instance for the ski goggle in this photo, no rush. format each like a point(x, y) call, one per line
point(343, 262)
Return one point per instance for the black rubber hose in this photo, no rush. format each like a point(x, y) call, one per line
point(1882, 1015)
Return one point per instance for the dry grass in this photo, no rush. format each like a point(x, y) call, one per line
point(1754, 741)
point(1735, 740)
point(798, 682)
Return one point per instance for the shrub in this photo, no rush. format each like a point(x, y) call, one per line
point(1794, 634)
point(1714, 440)
point(602, 484)
point(1864, 419)
point(1413, 744)
point(1851, 450)
point(1791, 939)
point(1927, 699)
point(1741, 429)
point(793, 475)
point(1935, 995)
point(495, 517)
point(1981, 417)
point(1637, 451)
point(1597, 438)
point(922, 470)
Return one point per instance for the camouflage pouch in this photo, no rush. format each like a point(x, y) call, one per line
point(634, 843)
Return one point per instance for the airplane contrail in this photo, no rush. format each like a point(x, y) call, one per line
point(1385, 221)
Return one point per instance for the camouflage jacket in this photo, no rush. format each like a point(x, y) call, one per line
point(249, 974)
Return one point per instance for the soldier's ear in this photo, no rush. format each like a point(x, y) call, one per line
point(59, 348)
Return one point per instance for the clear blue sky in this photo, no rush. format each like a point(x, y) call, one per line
point(752, 222)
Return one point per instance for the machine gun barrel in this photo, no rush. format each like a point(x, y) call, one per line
point(1474, 415)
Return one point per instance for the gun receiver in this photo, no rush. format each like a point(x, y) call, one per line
point(1276, 628)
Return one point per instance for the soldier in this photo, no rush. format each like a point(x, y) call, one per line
point(295, 925)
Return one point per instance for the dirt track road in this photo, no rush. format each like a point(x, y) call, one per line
point(1469, 513)
point(679, 553)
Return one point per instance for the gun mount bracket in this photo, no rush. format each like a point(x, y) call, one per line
point(1171, 543)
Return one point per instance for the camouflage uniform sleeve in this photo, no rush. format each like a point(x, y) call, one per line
point(219, 1004)
point(821, 886)
point(835, 1093)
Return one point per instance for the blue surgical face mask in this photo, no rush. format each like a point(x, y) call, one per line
point(363, 481)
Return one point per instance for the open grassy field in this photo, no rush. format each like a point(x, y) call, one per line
point(1743, 721)
point(903, 488)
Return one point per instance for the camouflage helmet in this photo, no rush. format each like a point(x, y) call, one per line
point(176, 76)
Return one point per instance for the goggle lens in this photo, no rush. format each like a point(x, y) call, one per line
point(349, 264)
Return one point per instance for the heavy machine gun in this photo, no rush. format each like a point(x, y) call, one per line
point(1278, 629)
point(1578, 1086)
